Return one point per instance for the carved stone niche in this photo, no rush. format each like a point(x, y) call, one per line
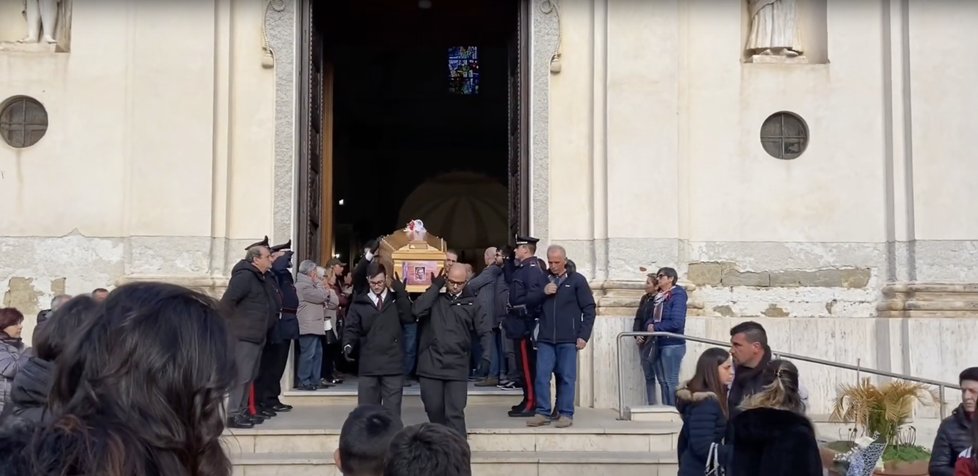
point(35, 26)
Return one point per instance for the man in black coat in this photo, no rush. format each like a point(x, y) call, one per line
point(251, 305)
point(954, 434)
point(275, 355)
point(447, 319)
point(750, 353)
point(373, 326)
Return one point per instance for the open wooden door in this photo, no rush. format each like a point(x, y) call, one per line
point(315, 213)
point(519, 216)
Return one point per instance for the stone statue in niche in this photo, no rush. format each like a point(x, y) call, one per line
point(774, 34)
point(42, 16)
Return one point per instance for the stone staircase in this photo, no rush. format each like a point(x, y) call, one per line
point(302, 441)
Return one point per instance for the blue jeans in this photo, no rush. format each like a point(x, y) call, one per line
point(410, 347)
point(497, 368)
point(648, 370)
point(562, 360)
point(667, 363)
point(310, 359)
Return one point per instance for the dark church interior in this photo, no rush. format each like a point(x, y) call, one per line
point(400, 121)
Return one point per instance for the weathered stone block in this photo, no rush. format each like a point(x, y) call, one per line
point(732, 277)
point(705, 274)
point(841, 278)
point(791, 279)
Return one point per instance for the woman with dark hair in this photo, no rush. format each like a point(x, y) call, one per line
point(140, 390)
point(12, 356)
point(646, 345)
point(772, 436)
point(703, 406)
point(29, 395)
point(668, 315)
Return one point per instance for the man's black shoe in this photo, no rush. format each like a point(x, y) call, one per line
point(240, 423)
point(280, 407)
point(518, 406)
point(255, 419)
point(522, 413)
point(265, 412)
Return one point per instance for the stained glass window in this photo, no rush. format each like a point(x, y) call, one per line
point(463, 70)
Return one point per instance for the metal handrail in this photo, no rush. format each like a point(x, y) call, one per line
point(941, 386)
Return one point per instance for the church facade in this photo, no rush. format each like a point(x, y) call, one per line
point(829, 175)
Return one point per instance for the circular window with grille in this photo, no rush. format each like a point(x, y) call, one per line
point(784, 135)
point(23, 121)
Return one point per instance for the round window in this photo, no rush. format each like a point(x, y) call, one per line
point(23, 121)
point(784, 135)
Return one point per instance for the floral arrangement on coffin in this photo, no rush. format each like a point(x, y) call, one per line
point(415, 230)
point(862, 459)
point(885, 412)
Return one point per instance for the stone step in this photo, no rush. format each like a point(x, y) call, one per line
point(316, 429)
point(484, 463)
point(346, 394)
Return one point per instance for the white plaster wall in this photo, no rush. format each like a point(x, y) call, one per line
point(571, 122)
point(134, 124)
point(158, 158)
point(943, 100)
point(674, 124)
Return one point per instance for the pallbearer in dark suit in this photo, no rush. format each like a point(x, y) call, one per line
point(448, 316)
point(373, 325)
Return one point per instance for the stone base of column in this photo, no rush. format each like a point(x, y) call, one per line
point(903, 300)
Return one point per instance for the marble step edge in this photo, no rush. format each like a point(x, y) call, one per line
point(645, 428)
point(480, 457)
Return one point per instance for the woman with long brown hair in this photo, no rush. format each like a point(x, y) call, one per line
point(772, 436)
point(702, 403)
point(139, 390)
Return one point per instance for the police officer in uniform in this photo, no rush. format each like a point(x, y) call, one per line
point(526, 282)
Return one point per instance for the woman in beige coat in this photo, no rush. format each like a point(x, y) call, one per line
point(313, 300)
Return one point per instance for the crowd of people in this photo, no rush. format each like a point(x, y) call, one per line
point(110, 388)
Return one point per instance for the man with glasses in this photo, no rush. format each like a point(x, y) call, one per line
point(447, 319)
point(373, 326)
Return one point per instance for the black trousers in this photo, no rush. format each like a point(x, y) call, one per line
point(444, 402)
point(247, 356)
point(384, 390)
point(331, 356)
point(526, 358)
point(268, 385)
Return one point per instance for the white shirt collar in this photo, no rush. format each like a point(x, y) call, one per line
point(373, 297)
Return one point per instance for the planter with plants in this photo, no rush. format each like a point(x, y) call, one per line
point(884, 411)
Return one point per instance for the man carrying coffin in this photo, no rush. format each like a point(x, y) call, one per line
point(447, 318)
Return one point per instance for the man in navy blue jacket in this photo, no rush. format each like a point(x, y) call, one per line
point(565, 328)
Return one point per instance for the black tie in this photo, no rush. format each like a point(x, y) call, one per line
point(380, 301)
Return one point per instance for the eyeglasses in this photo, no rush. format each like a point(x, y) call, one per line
point(377, 283)
point(456, 283)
